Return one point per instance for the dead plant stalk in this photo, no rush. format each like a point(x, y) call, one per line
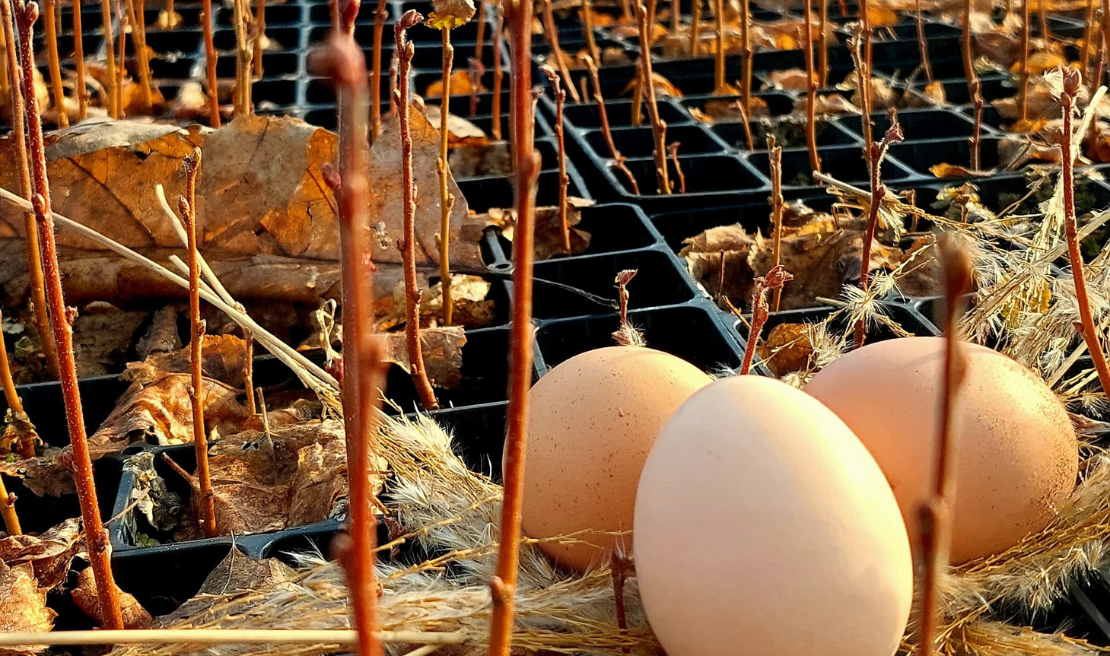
point(405, 52)
point(658, 127)
point(746, 53)
point(135, 11)
point(973, 86)
point(364, 370)
point(564, 180)
point(30, 229)
point(380, 14)
point(776, 277)
point(775, 159)
point(526, 167)
point(1072, 80)
point(49, 10)
point(552, 34)
point(244, 52)
point(878, 193)
point(79, 63)
point(811, 90)
point(17, 419)
point(259, 40)
point(96, 536)
point(498, 73)
point(110, 54)
point(206, 19)
point(922, 43)
point(603, 115)
point(446, 198)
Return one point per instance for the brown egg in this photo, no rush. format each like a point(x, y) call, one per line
point(764, 528)
point(1016, 455)
point(593, 421)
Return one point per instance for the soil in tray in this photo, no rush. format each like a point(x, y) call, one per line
point(710, 173)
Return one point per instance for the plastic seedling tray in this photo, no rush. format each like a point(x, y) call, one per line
point(585, 115)
point(920, 156)
point(637, 142)
point(920, 124)
point(613, 227)
point(846, 163)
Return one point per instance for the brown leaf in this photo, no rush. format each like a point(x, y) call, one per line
point(460, 85)
point(224, 359)
point(793, 79)
point(726, 111)
point(468, 297)
point(460, 132)
point(45, 475)
point(22, 606)
point(162, 335)
point(548, 231)
point(84, 597)
point(946, 170)
point(49, 554)
point(468, 161)
point(236, 575)
point(320, 482)
point(787, 349)
point(442, 349)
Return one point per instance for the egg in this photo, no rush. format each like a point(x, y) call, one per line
point(765, 528)
point(593, 420)
point(1015, 452)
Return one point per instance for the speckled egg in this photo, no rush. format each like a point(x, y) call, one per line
point(593, 420)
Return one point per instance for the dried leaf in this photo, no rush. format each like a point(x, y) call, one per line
point(461, 85)
point(793, 79)
point(45, 475)
point(728, 111)
point(468, 296)
point(471, 161)
point(548, 231)
point(48, 554)
point(84, 597)
point(224, 359)
point(881, 16)
point(22, 606)
point(1042, 62)
point(442, 349)
point(787, 349)
point(237, 574)
point(460, 132)
point(945, 170)
point(162, 335)
point(449, 14)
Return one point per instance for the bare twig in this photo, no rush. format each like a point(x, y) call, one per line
point(673, 150)
point(775, 159)
point(564, 180)
point(7, 510)
point(259, 40)
point(380, 14)
point(973, 85)
point(96, 537)
point(206, 19)
point(109, 42)
point(244, 53)
point(936, 513)
point(745, 119)
point(526, 166)
point(823, 44)
point(720, 86)
point(878, 193)
point(50, 32)
point(30, 229)
point(138, 41)
point(658, 127)
point(121, 70)
point(587, 16)
point(17, 418)
point(776, 277)
point(695, 28)
point(552, 34)
point(1089, 32)
point(405, 52)
point(79, 63)
point(498, 73)
point(746, 53)
point(475, 70)
point(446, 198)
point(1072, 81)
point(224, 637)
point(619, 159)
point(811, 90)
point(187, 207)
point(922, 43)
point(364, 369)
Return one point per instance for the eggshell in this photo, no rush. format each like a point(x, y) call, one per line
point(1016, 454)
point(764, 528)
point(593, 421)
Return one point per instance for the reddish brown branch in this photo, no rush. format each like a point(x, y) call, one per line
point(405, 52)
point(746, 53)
point(695, 29)
point(138, 42)
point(121, 70)
point(244, 52)
point(936, 513)
point(720, 85)
point(658, 127)
point(259, 40)
point(79, 63)
point(673, 150)
point(587, 16)
point(878, 193)
point(552, 34)
point(380, 14)
point(206, 19)
point(745, 119)
point(475, 70)
point(922, 43)
point(30, 229)
point(775, 159)
point(109, 41)
point(823, 44)
point(1087, 323)
point(51, 37)
point(973, 86)
point(603, 115)
point(187, 206)
point(564, 180)
point(776, 277)
point(811, 90)
point(526, 166)
point(446, 198)
point(1089, 31)
point(96, 537)
point(364, 370)
point(7, 511)
point(1026, 28)
point(498, 73)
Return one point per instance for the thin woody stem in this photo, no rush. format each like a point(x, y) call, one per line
point(138, 42)
point(776, 277)
point(720, 86)
point(745, 119)
point(878, 193)
point(380, 14)
point(863, 71)
point(196, 345)
point(498, 74)
point(364, 370)
point(109, 41)
point(747, 54)
point(587, 14)
point(922, 44)
point(552, 34)
point(775, 158)
point(935, 514)
point(695, 29)
point(823, 44)
point(96, 537)
point(446, 199)
point(591, 67)
point(560, 100)
point(51, 37)
point(1088, 38)
point(673, 151)
point(658, 127)
point(526, 166)
point(1026, 28)
point(259, 40)
point(121, 70)
point(1089, 329)
point(7, 511)
point(972, 82)
point(30, 228)
point(79, 63)
point(811, 90)
point(206, 19)
point(405, 51)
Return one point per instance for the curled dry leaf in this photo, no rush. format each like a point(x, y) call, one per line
point(224, 360)
point(84, 597)
point(728, 111)
point(449, 14)
point(442, 349)
point(461, 85)
point(548, 233)
point(829, 103)
point(49, 554)
point(460, 132)
point(793, 79)
point(787, 349)
point(22, 606)
point(663, 87)
point(236, 575)
point(45, 475)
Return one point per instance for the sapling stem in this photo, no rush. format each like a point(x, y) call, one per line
point(475, 71)
point(588, 29)
point(187, 207)
point(405, 52)
point(746, 55)
point(673, 150)
point(863, 68)
point(446, 198)
point(259, 39)
point(19, 420)
point(1023, 100)
point(4, 88)
point(878, 192)
point(638, 97)
point(109, 42)
point(121, 70)
point(138, 42)
point(776, 277)
point(695, 29)
point(720, 86)
point(823, 44)
point(380, 14)
point(552, 34)
point(244, 52)
point(206, 19)
point(564, 181)
point(775, 159)
point(936, 513)
point(7, 510)
point(526, 168)
point(749, 138)
point(96, 537)
point(30, 228)
point(1088, 39)
point(173, 19)
point(603, 115)
point(922, 43)
point(498, 73)
point(623, 278)
point(973, 86)
point(79, 63)
point(364, 370)
point(1090, 332)
point(50, 32)
point(248, 374)
point(658, 127)
point(811, 91)
point(480, 39)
